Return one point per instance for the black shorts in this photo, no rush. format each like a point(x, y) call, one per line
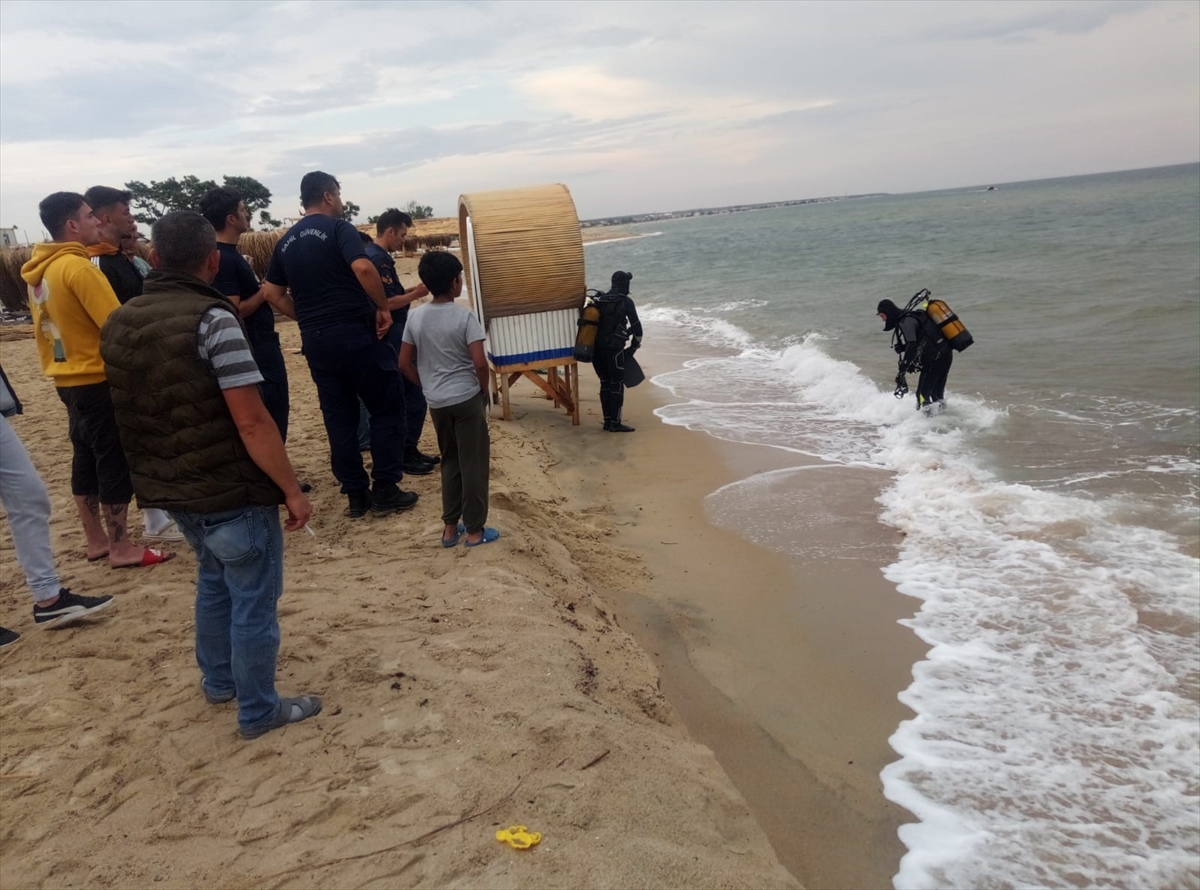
point(98, 466)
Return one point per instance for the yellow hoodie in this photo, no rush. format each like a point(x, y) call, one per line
point(70, 299)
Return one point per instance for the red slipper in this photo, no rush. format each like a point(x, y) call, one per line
point(150, 557)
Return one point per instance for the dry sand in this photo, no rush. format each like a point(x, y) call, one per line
point(464, 691)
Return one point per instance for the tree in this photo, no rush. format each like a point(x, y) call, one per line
point(154, 200)
point(256, 195)
point(415, 210)
point(350, 210)
point(419, 211)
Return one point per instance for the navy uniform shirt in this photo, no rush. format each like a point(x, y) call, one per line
point(391, 281)
point(235, 278)
point(313, 258)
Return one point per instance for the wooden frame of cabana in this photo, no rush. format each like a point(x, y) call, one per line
point(560, 383)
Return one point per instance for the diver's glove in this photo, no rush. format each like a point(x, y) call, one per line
point(634, 346)
point(899, 347)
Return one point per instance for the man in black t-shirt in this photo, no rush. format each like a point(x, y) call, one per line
point(117, 225)
point(111, 207)
point(343, 315)
point(391, 228)
point(224, 208)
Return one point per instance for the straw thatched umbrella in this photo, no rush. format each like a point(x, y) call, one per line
point(259, 246)
point(14, 293)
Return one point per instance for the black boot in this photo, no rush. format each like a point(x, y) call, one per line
point(360, 503)
point(415, 465)
point(612, 422)
point(606, 407)
point(388, 498)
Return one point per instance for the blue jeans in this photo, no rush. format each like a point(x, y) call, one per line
point(349, 362)
point(240, 578)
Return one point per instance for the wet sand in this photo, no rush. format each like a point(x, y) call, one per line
point(787, 667)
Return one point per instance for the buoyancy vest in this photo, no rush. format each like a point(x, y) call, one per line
point(183, 448)
point(613, 329)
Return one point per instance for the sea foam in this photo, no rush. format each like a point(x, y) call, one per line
point(1057, 725)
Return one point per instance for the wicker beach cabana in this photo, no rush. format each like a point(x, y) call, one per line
point(523, 257)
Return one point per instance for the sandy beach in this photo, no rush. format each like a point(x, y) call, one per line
point(465, 691)
point(617, 673)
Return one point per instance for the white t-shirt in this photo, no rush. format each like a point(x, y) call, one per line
point(442, 334)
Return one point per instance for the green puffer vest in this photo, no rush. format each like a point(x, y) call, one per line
point(183, 448)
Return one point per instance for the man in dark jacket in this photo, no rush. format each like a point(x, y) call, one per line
point(618, 322)
point(202, 446)
point(921, 346)
point(391, 228)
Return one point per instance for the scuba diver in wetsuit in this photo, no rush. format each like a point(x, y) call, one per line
point(618, 321)
point(921, 346)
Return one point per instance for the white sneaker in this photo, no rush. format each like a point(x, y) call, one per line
point(170, 532)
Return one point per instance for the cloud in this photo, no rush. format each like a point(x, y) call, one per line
point(638, 106)
point(1025, 21)
point(589, 92)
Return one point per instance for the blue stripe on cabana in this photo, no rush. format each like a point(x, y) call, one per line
point(524, 358)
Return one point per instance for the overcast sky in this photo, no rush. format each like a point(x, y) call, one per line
point(635, 106)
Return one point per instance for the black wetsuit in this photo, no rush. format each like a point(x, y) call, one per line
point(618, 321)
point(924, 345)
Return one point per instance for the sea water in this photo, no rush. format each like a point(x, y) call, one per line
point(1051, 512)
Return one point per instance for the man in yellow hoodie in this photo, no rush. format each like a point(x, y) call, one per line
point(70, 300)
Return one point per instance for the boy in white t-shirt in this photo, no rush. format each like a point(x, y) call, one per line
point(442, 352)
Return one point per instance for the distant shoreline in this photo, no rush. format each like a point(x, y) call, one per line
point(599, 234)
point(630, 219)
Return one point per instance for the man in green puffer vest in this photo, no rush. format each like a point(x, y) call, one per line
point(202, 446)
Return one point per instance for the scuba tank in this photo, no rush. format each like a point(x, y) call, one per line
point(949, 324)
point(589, 324)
